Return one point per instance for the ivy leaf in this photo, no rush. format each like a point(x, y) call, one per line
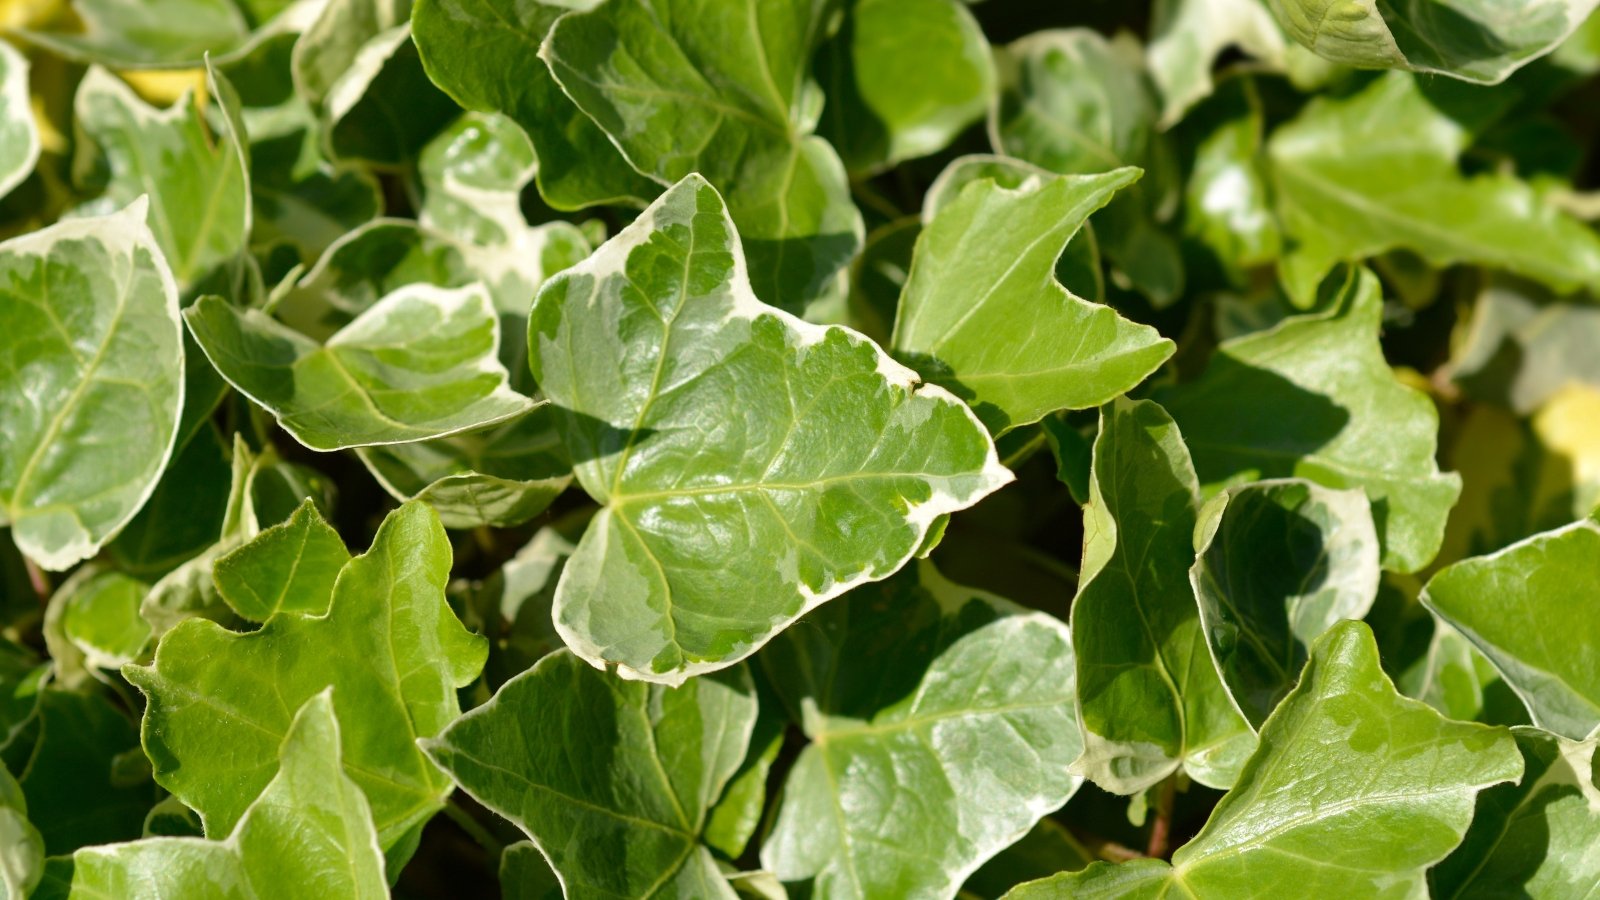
point(1075, 103)
point(383, 110)
point(512, 606)
point(613, 780)
point(388, 643)
point(1187, 36)
point(1324, 407)
point(983, 315)
point(290, 567)
point(1277, 563)
point(93, 623)
point(22, 859)
point(308, 833)
point(148, 34)
point(1511, 604)
point(19, 134)
point(904, 78)
point(831, 474)
point(418, 364)
point(524, 874)
point(1359, 175)
point(332, 43)
point(729, 96)
point(1473, 41)
point(1457, 680)
point(1523, 345)
point(1150, 699)
point(82, 775)
point(485, 54)
point(1227, 204)
point(184, 514)
point(941, 725)
point(197, 181)
point(1345, 764)
point(103, 355)
point(1537, 837)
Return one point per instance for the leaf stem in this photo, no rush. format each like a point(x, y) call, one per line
point(474, 830)
point(1161, 827)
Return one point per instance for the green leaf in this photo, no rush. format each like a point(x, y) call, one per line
point(524, 874)
point(613, 780)
point(941, 728)
point(76, 775)
point(1187, 36)
point(1072, 102)
point(332, 43)
point(725, 94)
point(93, 623)
point(1227, 204)
point(1360, 175)
point(903, 78)
point(1045, 850)
point(485, 54)
point(289, 567)
point(309, 833)
point(983, 315)
point(1323, 406)
point(21, 847)
point(105, 357)
point(388, 643)
point(1523, 345)
point(1458, 681)
point(1473, 40)
point(19, 134)
point(512, 606)
point(184, 514)
point(1537, 838)
point(190, 589)
point(299, 197)
point(1150, 700)
point(418, 364)
point(832, 475)
point(1523, 607)
point(472, 176)
point(384, 110)
point(148, 34)
point(1345, 766)
point(1277, 563)
point(1075, 103)
point(197, 179)
point(500, 476)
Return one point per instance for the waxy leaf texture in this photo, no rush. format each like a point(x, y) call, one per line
point(799, 449)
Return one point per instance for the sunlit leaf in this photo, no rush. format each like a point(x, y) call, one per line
point(101, 352)
point(983, 315)
point(611, 779)
point(418, 364)
point(388, 644)
point(831, 475)
point(1515, 604)
point(1472, 40)
point(1324, 406)
point(940, 723)
point(1345, 767)
point(1150, 700)
point(1277, 563)
point(308, 833)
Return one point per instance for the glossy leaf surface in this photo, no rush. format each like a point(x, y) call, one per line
point(836, 466)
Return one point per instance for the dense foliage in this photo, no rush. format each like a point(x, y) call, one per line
point(808, 448)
